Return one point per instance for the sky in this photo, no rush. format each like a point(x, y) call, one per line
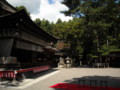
point(43, 9)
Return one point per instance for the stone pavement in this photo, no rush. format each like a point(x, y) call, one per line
point(43, 80)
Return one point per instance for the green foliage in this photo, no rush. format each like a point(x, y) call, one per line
point(115, 50)
point(23, 7)
point(38, 21)
point(105, 50)
point(91, 56)
point(94, 29)
point(59, 21)
point(100, 27)
point(71, 32)
point(44, 24)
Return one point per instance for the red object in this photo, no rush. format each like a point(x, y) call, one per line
point(13, 73)
point(35, 69)
point(66, 86)
point(7, 74)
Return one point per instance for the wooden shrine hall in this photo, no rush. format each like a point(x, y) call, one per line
point(22, 38)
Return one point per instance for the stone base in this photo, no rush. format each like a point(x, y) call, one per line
point(60, 66)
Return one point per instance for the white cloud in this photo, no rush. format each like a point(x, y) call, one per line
point(31, 5)
point(43, 10)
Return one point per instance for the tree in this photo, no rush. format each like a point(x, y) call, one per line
point(38, 21)
point(71, 32)
point(23, 7)
point(44, 24)
point(100, 22)
point(59, 21)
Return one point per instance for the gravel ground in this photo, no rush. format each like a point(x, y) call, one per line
point(43, 80)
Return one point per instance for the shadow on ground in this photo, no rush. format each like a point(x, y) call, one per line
point(98, 81)
point(87, 80)
point(30, 75)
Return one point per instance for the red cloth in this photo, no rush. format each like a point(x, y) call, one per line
point(7, 74)
point(66, 86)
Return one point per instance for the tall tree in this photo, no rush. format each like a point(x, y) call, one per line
point(44, 24)
point(100, 18)
point(38, 21)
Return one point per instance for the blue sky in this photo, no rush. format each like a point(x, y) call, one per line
point(51, 2)
point(43, 9)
